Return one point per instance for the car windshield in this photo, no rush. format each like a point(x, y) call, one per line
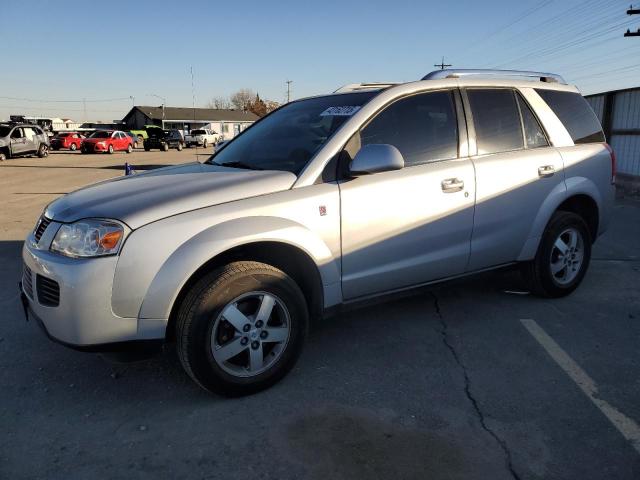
point(4, 130)
point(289, 137)
point(62, 135)
point(101, 135)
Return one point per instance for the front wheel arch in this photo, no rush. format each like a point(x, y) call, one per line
point(292, 260)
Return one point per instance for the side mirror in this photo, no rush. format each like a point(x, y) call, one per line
point(376, 158)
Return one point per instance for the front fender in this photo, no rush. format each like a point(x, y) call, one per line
point(195, 252)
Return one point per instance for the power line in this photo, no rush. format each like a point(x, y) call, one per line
point(19, 99)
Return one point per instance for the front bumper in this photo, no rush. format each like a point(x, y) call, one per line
point(83, 316)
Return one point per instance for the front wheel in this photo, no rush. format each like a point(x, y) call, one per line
point(241, 328)
point(179, 147)
point(563, 257)
point(165, 147)
point(73, 147)
point(3, 156)
point(43, 151)
point(204, 144)
point(110, 149)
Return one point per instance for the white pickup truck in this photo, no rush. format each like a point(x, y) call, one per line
point(201, 137)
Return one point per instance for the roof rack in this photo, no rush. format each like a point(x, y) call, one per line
point(354, 87)
point(456, 73)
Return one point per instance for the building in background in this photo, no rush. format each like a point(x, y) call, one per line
point(226, 122)
point(619, 113)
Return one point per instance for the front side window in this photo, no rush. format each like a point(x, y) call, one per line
point(290, 136)
point(496, 120)
point(17, 133)
point(423, 127)
point(576, 115)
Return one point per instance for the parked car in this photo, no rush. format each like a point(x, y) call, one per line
point(22, 139)
point(202, 137)
point(70, 140)
point(327, 201)
point(164, 140)
point(144, 133)
point(134, 138)
point(110, 141)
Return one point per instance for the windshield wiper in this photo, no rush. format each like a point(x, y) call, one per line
point(244, 165)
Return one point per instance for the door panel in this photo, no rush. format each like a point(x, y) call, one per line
point(401, 228)
point(510, 190)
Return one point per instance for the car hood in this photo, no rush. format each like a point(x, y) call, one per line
point(143, 198)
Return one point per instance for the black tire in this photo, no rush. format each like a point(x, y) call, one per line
point(147, 149)
point(43, 151)
point(204, 143)
point(165, 147)
point(129, 148)
point(73, 147)
point(179, 147)
point(110, 149)
point(538, 274)
point(205, 302)
point(3, 156)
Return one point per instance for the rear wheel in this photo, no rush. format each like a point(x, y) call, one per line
point(110, 148)
point(563, 256)
point(43, 151)
point(165, 147)
point(179, 147)
point(204, 144)
point(3, 156)
point(129, 148)
point(73, 147)
point(241, 328)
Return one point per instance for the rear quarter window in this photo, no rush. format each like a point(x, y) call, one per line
point(575, 114)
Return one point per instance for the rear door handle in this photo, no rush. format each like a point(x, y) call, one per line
point(546, 170)
point(450, 185)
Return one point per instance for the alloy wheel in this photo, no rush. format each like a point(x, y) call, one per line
point(567, 256)
point(250, 334)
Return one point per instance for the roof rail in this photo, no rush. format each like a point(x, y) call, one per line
point(463, 72)
point(353, 87)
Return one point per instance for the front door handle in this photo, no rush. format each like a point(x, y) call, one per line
point(546, 170)
point(450, 185)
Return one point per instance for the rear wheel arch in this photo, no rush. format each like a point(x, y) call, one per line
point(587, 208)
point(292, 260)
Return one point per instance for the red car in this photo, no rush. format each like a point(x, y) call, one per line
point(70, 140)
point(107, 141)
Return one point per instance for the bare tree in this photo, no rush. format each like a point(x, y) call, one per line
point(271, 105)
point(219, 102)
point(242, 98)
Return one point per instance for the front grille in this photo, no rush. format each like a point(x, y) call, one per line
point(48, 291)
point(42, 225)
point(27, 281)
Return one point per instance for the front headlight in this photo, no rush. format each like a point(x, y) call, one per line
point(89, 238)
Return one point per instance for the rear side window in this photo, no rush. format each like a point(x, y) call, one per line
point(496, 120)
point(534, 137)
point(423, 127)
point(576, 115)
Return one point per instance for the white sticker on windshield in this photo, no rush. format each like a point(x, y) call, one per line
point(345, 111)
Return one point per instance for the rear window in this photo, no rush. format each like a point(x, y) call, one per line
point(576, 115)
point(198, 132)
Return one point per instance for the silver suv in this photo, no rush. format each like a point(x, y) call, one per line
point(328, 200)
point(19, 140)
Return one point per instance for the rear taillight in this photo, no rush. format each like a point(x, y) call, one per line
point(613, 163)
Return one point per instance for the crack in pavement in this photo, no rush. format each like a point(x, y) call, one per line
point(444, 328)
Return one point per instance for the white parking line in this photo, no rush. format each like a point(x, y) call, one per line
point(626, 426)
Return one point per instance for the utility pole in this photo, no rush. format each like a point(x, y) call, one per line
point(289, 82)
point(632, 11)
point(442, 65)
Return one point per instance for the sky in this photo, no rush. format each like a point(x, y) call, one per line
point(57, 53)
